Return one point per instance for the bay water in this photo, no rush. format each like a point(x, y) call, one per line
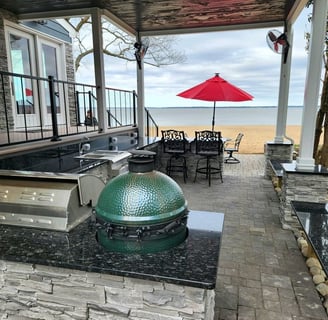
point(198, 116)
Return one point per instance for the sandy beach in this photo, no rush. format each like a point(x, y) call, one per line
point(255, 136)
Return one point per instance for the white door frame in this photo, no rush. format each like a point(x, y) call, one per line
point(31, 117)
point(46, 114)
point(36, 40)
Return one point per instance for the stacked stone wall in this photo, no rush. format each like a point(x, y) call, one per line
point(40, 292)
point(191, 160)
point(70, 75)
point(280, 152)
point(300, 187)
point(5, 98)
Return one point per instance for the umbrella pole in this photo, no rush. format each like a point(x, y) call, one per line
point(213, 120)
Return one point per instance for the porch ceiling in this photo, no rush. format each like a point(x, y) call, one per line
point(166, 16)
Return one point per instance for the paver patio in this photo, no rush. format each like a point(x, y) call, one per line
point(262, 274)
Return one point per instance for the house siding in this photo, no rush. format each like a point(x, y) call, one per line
point(70, 75)
point(6, 110)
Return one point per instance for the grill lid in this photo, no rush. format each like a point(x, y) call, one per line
point(142, 161)
point(142, 210)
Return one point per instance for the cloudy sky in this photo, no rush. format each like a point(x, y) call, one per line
point(241, 57)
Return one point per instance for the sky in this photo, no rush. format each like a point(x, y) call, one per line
point(241, 57)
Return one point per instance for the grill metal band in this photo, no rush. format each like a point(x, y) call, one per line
point(145, 232)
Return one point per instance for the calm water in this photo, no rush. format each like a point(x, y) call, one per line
point(190, 116)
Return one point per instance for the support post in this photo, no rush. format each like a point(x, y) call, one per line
point(141, 103)
point(284, 90)
point(99, 67)
point(55, 135)
point(305, 160)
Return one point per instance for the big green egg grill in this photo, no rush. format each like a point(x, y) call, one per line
point(142, 210)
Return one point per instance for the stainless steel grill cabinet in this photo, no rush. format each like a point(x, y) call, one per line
point(56, 201)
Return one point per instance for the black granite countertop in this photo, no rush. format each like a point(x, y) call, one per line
point(277, 167)
point(192, 263)
point(314, 220)
point(291, 168)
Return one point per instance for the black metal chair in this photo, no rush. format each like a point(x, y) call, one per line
point(231, 147)
point(175, 143)
point(209, 146)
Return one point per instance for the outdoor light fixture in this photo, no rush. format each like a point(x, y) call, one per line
point(140, 51)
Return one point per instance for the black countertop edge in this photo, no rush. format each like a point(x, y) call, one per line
point(285, 143)
point(192, 263)
point(148, 141)
point(291, 168)
point(307, 206)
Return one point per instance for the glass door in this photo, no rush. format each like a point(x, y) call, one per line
point(22, 62)
point(50, 57)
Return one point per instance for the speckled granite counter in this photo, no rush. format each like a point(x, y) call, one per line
point(313, 217)
point(193, 263)
point(290, 167)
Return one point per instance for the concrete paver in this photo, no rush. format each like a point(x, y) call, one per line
point(262, 274)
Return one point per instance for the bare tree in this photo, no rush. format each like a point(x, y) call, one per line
point(161, 50)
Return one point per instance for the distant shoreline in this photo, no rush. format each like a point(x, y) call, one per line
point(222, 107)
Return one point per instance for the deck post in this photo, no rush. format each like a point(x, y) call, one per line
point(305, 160)
point(55, 135)
point(284, 91)
point(99, 68)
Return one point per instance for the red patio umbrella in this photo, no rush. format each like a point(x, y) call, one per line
point(216, 89)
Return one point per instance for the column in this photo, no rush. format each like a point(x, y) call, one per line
point(99, 68)
point(284, 91)
point(141, 102)
point(305, 160)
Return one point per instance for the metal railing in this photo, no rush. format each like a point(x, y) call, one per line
point(151, 126)
point(35, 108)
point(121, 107)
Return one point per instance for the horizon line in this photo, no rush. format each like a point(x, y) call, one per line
point(221, 107)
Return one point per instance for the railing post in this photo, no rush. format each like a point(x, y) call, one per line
point(147, 124)
point(90, 104)
point(77, 103)
point(52, 97)
point(134, 107)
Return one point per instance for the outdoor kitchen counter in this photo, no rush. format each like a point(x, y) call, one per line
point(193, 263)
point(313, 217)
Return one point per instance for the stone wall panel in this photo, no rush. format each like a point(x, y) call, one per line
point(40, 292)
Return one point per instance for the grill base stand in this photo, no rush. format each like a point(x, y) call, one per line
point(141, 246)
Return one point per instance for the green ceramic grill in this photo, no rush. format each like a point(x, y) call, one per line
point(142, 210)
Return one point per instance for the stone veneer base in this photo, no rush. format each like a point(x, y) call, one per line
point(300, 185)
point(31, 291)
point(277, 151)
point(57, 275)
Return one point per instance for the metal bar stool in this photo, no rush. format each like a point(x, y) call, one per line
point(209, 146)
point(175, 143)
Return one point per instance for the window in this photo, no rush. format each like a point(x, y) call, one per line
point(21, 64)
